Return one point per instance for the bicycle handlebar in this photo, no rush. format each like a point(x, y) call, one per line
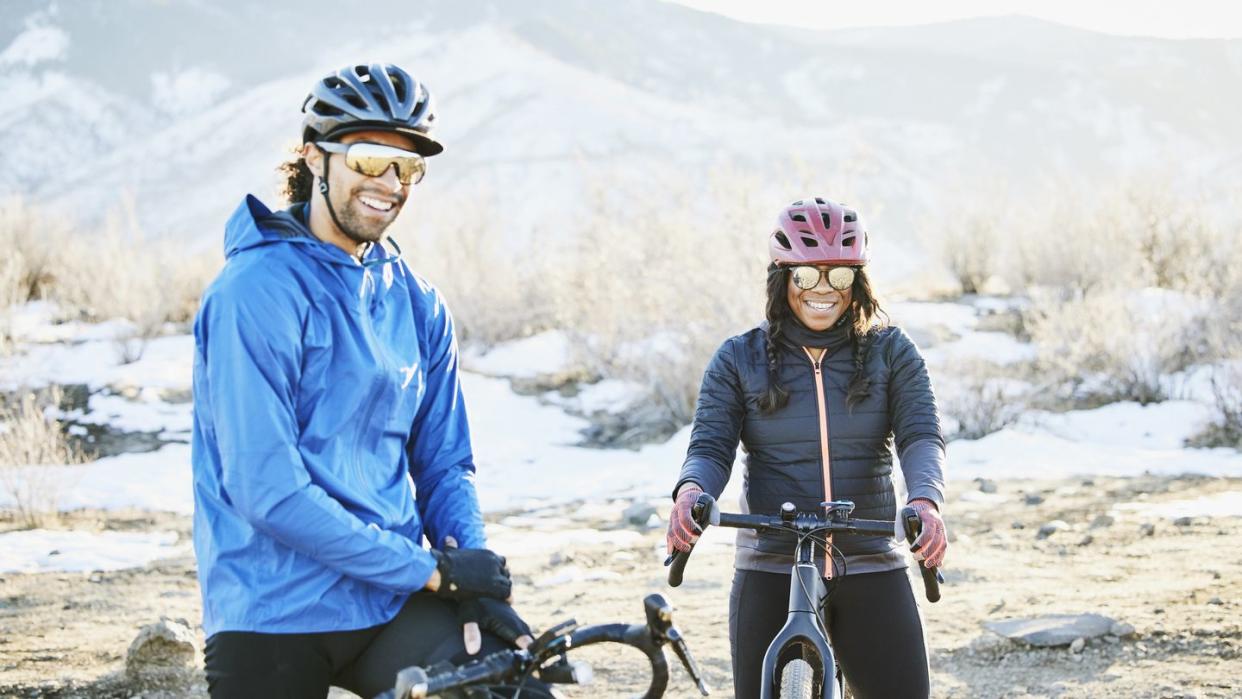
point(650, 638)
point(707, 512)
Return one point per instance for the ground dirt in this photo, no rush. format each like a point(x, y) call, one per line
point(1178, 584)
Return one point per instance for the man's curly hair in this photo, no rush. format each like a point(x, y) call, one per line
point(298, 180)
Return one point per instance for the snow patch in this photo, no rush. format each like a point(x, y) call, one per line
point(1226, 504)
point(37, 44)
point(545, 353)
point(44, 551)
point(188, 91)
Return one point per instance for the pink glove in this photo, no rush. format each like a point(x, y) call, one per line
point(932, 542)
point(683, 531)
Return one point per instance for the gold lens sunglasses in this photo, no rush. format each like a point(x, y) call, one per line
point(374, 159)
point(806, 277)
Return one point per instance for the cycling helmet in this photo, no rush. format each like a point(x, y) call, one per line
point(818, 231)
point(367, 97)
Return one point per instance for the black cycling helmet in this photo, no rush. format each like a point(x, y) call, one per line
point(367, 97)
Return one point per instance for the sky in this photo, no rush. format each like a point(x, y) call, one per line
point(1161, 18)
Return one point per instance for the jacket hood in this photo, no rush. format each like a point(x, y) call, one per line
point(253, 225)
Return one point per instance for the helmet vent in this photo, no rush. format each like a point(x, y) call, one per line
point(797, 203)
point(810, 242)
point(850, 217)
point(848, 242)
point(820, 201)
point(798, 217)
point(784, 242)
point(823, 215)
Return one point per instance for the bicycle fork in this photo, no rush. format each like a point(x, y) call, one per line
point(803, 636)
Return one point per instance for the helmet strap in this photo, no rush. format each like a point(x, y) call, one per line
point(323, 189)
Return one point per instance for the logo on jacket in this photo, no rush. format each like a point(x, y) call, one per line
point(409, 372)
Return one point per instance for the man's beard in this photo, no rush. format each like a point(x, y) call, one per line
point(359, 227)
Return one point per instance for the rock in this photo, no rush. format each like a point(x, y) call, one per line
point(989, 645)
point(1216, 600)
point(1103, 521)
point(1121, 629)
point(1051, 528)
point(654, 521)
point(1033, 499)
point(1086, 540)
point(1147, 529)
point(1017, 525)
point(560, 558)
point(1183, 521)
point(1052, 630)
point(164, 654)
point(638, 513)
point(986, 485)
point(1077, 645)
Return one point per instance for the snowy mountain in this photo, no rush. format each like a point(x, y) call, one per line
point(183, 106)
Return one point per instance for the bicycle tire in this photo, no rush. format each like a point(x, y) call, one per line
point(797, 680)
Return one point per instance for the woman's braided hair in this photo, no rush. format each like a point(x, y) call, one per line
point(867, 316)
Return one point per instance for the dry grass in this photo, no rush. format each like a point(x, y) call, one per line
point(1129, 283)
point(31, 442)
point(115, 273)
point(984, 398)
point(647, 292)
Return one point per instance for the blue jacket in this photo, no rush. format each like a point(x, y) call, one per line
point(330, 434)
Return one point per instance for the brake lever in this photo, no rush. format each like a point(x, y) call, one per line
point(660, 624)
point(687, 660)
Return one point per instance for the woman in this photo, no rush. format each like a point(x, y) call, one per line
point(816, 395)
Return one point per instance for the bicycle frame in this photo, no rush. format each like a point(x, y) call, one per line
point(803, 628)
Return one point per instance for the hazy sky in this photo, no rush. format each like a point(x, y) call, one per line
point(1175, 19)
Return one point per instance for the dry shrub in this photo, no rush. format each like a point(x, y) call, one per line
point(971, 239)
point(1142, 233)
point(120, 274)
point(654, 290)
point(12, 293)
point(1118, 344)
point(984, 398)
point(30, 443)
point(116, 273)
point(647, 283)
point(493, 296)
point(36, 236)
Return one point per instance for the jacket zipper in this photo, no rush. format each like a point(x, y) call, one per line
point(826, 468)
point(377, 384)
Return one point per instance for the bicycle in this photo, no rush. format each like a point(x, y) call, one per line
point(800, 654)
point(547, 658)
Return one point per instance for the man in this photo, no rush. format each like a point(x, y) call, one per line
point(325, 386)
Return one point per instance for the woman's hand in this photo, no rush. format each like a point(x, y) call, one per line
point(683, 531)
point(934, 540)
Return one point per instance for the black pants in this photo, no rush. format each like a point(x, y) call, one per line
point(366, 661)
point(873, 624)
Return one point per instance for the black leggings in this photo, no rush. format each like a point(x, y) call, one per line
point(873, 623)
point(366, 661)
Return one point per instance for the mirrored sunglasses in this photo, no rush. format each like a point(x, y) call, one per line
point(374, 159)
point(806, 277)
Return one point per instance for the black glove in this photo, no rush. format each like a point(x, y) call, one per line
point(470, 573)
point(494, 617)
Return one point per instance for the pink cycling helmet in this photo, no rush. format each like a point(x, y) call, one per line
point(817, 231)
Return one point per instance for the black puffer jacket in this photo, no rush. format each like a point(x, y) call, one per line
point(784, 451)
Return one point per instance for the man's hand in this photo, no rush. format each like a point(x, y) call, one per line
point(683, 531)
point(495, 617)
point(934, 540)
point(469, 573)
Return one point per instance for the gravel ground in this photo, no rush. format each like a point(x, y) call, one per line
point(1176, 581)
